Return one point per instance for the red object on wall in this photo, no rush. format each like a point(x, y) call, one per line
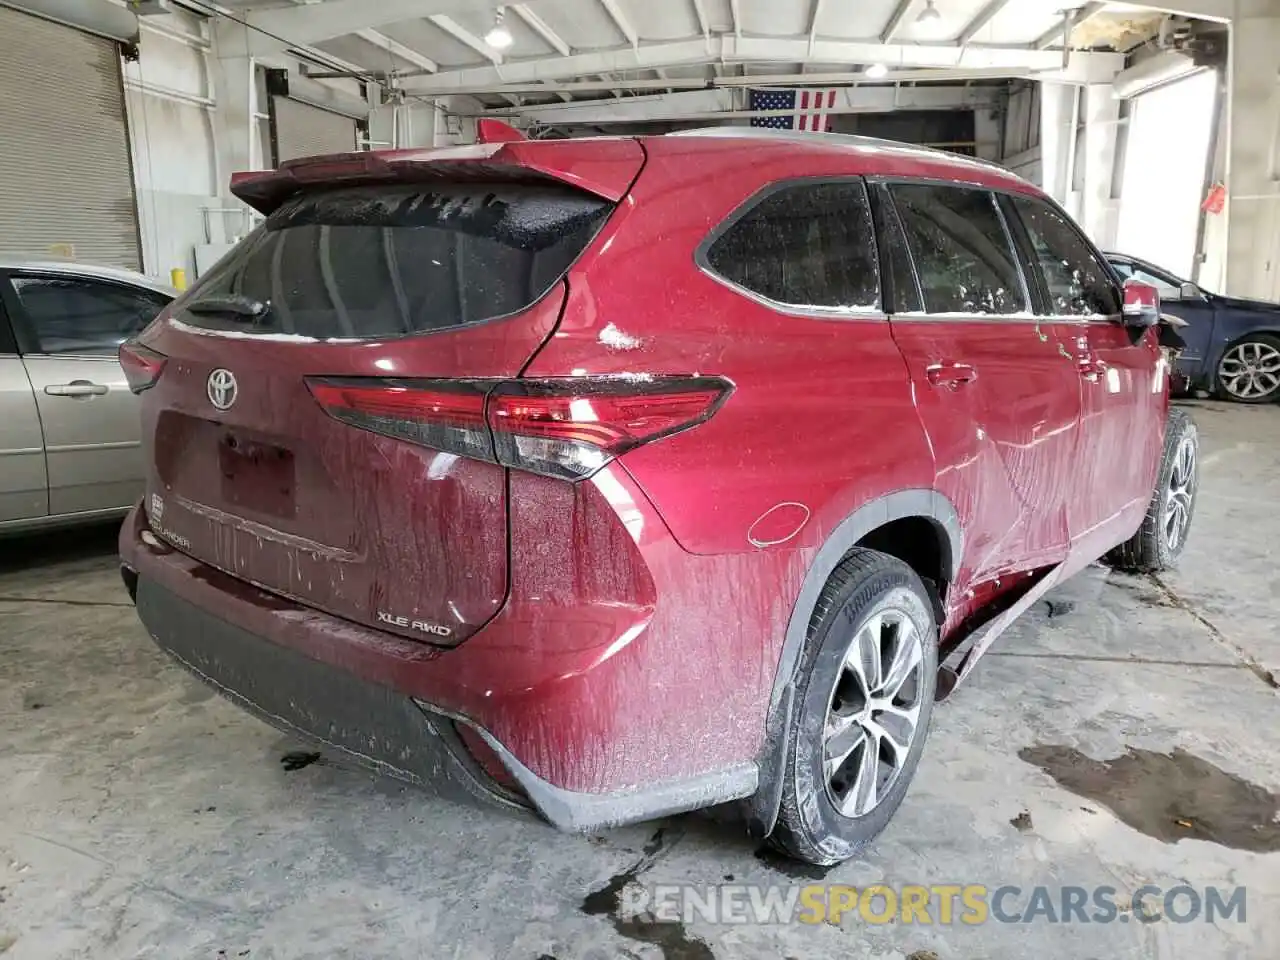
point(1216, 199)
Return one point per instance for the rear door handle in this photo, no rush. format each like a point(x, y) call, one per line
point(951, 374)
point(76, 388)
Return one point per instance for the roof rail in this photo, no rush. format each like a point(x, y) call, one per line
point(838, 139)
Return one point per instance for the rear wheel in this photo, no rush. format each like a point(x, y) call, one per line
point(1160, 540)
point(1249, 370)
point(863, 702)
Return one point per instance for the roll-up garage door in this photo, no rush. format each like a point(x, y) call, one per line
point(305, 131)
point(66, 180)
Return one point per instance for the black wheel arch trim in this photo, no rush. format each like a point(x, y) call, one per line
point(762, 808)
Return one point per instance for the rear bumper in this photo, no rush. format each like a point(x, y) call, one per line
point(406, 709)
point(373, 725)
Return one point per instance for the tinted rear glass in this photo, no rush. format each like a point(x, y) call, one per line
point(388, 261)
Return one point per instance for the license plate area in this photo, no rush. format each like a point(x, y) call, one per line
point(257, 476)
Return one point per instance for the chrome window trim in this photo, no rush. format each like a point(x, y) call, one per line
point(1032, 319)
point(100, 357)
point(797, 310)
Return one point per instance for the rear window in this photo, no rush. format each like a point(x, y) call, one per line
point(389, 261)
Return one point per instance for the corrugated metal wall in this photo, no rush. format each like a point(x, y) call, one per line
point(66, 183)
point(305, 131)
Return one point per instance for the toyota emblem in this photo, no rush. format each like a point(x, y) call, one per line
point(222, 389)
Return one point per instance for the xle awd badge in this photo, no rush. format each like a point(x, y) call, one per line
point(421, 626)
point(222, 388)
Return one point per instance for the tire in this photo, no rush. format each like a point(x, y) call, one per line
point(1249, 371)
point(826, 819)
point(1153, 548)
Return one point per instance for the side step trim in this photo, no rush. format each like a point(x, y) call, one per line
point(960, 663)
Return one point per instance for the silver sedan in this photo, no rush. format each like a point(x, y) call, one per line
point(69, 431)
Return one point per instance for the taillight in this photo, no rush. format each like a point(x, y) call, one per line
point(559, 428)
point(142, 366)
point(572, 428)
point(442, 414)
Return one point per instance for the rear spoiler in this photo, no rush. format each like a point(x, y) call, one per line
point(605, 167)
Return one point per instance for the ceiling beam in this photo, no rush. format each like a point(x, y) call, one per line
point(714, 104)
point(736, 14)
point(846, 79)
point(275, 29)
point(1085, 67)
point(813, 24)
point(466, 37)
point(699, 11)
point(322, 58)
point(397, 49)
point(540, 27)
point(895, 21)
point(620, 21)
point(983, 17)
point(1219, 10)
point(1056, 38)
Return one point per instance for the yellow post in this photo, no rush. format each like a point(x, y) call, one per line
point(178, 278)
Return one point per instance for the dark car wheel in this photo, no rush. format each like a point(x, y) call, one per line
point(1249, 370)
point(1160, 540)
point(863, 702)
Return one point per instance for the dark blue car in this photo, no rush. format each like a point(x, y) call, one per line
point(1233, 345)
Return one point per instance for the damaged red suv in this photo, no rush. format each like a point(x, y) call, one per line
point(613, 478)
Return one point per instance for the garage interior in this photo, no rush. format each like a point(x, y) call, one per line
point(144, 816)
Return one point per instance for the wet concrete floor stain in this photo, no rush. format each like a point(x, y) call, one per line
point(1170, 797)
point(795, 869)
point(297, 759)
point(669, 937)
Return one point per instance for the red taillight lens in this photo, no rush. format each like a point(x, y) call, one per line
point(442, 414)
point(560, 428)
point(572, 428)
point(142, 366)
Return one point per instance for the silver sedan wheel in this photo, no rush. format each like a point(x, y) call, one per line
point(1176, 518)
point(874, 712)
point(1250, 370)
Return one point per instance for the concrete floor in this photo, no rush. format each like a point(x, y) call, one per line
point(140, 816)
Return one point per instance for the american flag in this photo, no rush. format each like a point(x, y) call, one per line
point(810, 109)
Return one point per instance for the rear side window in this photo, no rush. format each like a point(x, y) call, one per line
point(1078, 282)
point(75, 316)
point(804, 245)
point(962, 251)
point(382, 262)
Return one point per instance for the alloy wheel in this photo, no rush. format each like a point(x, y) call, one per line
point(1250, 370)
point(1176, 517)
point(874, 712)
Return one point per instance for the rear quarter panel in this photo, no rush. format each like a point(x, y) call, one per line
point(822, 416)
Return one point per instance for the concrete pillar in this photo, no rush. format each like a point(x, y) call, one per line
point(1250, 250)
point(384, 127)
point(236, 92)
point(1099, 210)
point(1056, 140)
point(986, 134)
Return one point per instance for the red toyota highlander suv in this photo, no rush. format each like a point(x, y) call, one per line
point(613, 478)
